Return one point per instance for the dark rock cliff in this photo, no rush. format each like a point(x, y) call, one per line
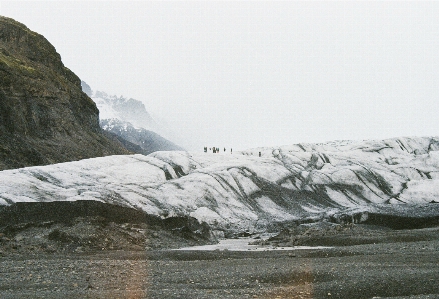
point(45, 117)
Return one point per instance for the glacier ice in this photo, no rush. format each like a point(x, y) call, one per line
point(242, 189)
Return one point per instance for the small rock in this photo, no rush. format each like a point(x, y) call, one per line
point(50, 249)
point(79, 249)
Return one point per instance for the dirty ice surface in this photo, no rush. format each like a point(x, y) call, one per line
point(245, 190)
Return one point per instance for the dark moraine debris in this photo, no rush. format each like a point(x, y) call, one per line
point(402, 222)
point(93, 225)
point(67, 211)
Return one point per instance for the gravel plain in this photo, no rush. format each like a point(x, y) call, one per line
point(86, 255)
point(383, 270)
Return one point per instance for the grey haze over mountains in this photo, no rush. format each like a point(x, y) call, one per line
point(128, 110)
point(130, 123)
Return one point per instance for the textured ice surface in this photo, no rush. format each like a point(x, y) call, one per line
point(243, 190)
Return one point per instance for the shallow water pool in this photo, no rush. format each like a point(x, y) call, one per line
point(242, 244)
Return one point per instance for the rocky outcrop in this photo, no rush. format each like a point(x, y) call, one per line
point(45, 117)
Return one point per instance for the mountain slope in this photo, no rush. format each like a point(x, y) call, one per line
point(129, 120)
point(148, 141)
point(243, 191)
point(44, 115)
point(127, 110)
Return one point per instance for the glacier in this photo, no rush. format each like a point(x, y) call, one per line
point(245, 190)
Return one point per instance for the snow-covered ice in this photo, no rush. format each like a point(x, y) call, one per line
point(242, 190)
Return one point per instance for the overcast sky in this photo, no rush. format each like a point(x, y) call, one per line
point(250, 74)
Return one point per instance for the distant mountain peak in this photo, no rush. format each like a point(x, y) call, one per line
point(124, 109)
point(129, 119)
point(148, 141)
point(86, 88)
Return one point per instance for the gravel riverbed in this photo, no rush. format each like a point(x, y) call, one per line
point(386, 270)
point(73, 254)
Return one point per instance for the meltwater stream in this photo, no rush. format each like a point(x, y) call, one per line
point(242, 244)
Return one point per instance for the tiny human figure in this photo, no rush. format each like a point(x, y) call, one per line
point(224, 149)
point(230, 150)
point(214, 150)
point(259, 154)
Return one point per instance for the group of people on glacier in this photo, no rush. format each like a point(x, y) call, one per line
point(215, 150)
